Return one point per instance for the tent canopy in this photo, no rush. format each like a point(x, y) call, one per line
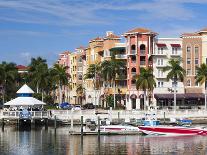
point(24, 101)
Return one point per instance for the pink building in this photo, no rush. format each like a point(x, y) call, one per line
point(140, 42)
point(64, 60)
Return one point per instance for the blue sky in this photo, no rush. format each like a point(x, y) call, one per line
point(31, 28)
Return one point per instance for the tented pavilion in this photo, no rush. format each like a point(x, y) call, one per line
point(24, 99)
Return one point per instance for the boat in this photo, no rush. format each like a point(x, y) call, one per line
point(119, 128)
point(172, 130)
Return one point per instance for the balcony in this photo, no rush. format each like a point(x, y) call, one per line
point(142, 52)
point(133, 52)
point(175, 54)
point(121, 56)
point(142, 63)
point(160, 53)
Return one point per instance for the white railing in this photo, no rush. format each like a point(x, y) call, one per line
point(16, 114)
point(121, 56)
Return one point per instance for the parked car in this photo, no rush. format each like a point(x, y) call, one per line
point(66, 105)
point(77, 107)
point(89, 106)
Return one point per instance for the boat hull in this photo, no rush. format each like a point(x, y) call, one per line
point(171, 130)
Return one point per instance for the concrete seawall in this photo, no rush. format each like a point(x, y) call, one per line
point(198, 116)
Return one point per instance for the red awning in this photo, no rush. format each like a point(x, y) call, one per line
point(161, 45)
point(175, 45)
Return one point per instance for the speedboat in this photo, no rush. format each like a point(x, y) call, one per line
point(171, 130)
point(118, 128)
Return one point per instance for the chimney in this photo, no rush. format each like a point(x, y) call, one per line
point(109, 33)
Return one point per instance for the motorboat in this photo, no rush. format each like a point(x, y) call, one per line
point(172, 130)
point(119, 128)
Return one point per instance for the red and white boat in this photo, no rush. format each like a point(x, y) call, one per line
point(171, 130)
point(119, 128)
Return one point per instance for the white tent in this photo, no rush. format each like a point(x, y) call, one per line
point(24, 100)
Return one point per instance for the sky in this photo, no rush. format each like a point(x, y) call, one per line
point(31, 28)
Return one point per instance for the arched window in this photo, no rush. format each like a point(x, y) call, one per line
point(133, 58)
point(133, 47)
point(134, 69)
point(133, 82)
point(142, 47)
point(188, 49)
point(188, 82)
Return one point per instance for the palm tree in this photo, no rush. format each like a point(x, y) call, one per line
point(145, 81)
point(94, 73)
point(8, 76)
point(61, 77)
point(37, 70)
point(111, 69)
point(201, 77)
point(176, 72)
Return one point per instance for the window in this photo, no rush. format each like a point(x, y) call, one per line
point(160, 73)
point(188, 72)
point(196, 50)
point(197, 84)
point(160, 83)
point(160, 50)
point(160, 62)
point(188, 60)
point(188, 49)
point(80, 77)
point(175, 50)
point(188, 82)
point(196, 61)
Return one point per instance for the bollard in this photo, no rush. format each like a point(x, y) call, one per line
point(81, 126)
point(2, 125)
point(164, 117)
point(55, 122)
point(46, 123)
point(99, 126)
point(118, 116)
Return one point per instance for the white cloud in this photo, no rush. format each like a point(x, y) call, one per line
point(26, 57)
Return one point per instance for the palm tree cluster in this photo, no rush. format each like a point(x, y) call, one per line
point(40, 77)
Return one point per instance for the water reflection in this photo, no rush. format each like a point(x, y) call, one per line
point(41, 141)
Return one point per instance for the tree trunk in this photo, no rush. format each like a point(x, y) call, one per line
point(60, 93)
point(175, 85)
point(42, 95)
point(205, 95)
point(114, 94)
point(37, 87)
point(145, 101)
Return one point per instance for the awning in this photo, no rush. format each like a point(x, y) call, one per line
point(24, 101)
point(180, 96)
point(175, 45)
point(161, 45)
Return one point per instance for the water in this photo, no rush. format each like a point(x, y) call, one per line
point(39, 141)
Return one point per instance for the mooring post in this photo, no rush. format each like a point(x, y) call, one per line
point(118, 116)
point(55, 122)
point(71, 120)
point(99, 126)
point(2, 124)
point(81, 125)
point(46, 123)
point(164, 117)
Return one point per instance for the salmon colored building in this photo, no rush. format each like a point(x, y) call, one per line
point(140, 43)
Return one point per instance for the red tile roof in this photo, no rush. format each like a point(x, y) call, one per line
point(140, 30)
point(161, 45)
point(175, 45)
point(112, 36)
point(189, 34)
point(96, 39)
point(21, 67)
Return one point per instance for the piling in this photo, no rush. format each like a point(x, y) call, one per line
point(118, 116)
point(99, 126)
point(55, 122)
point(46, 123)
point(164, 117)
point(2, 124)
point(81, 126)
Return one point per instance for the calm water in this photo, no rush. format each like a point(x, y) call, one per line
point(45, 142)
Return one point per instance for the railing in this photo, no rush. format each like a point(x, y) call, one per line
point(133, 52)
point(16, 114)
point(142, 52)
point(142, 62)
point(121, 56)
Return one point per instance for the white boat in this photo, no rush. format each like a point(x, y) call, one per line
point(172, 130)
point(119, 128)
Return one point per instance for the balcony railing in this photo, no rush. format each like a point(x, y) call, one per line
point(142, 62)
point(121, 56)
point(142, 52)
point(133, 52)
